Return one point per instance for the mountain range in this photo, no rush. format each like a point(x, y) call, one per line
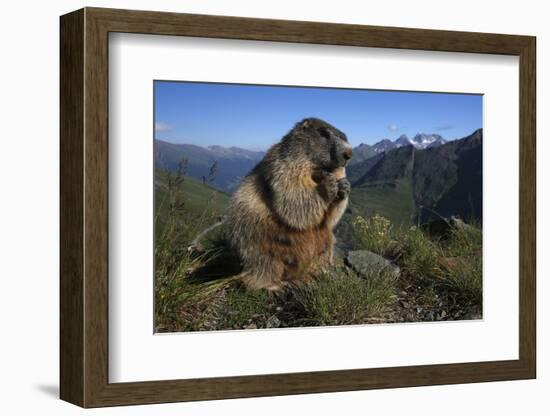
point(420, 141)
point(233, 163)
point(407, 180)
point(410, 183)
point(222, 167)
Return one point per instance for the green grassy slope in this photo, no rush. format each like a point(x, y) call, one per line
point(200, 204)
point(393, 200)
point(386, 188)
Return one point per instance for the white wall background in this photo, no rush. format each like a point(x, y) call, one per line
point(29, 84)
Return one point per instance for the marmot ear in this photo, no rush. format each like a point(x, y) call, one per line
point(323, 131)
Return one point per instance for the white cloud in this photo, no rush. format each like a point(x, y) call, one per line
point(393, 127)
point(161, 126)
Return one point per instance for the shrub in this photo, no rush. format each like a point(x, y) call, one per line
point(375, 234)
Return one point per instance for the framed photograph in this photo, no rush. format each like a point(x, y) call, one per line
point(255, 207)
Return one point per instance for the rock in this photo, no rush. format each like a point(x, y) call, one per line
point(251, 326)
point(273, 322)
point(405, 304)
point(366, 262)
point(443, 227)
point(460, 225)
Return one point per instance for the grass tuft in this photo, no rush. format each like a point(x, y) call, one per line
point(242, 307)
point(464, 280)
point(339, 298)
point(419, 254)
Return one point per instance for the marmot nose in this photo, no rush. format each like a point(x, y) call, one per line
point(347, 154)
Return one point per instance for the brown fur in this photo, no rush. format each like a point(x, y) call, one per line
point(280, 219)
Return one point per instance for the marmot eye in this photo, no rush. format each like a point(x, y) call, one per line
point(323, 131)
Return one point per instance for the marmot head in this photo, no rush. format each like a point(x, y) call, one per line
point(323, 144)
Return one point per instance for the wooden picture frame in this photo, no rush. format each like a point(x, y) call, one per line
point(84, 207)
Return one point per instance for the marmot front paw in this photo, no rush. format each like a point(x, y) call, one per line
point(344, 188)
point(329, 186)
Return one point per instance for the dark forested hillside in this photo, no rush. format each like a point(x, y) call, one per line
point(444, 180)
point(465, 196)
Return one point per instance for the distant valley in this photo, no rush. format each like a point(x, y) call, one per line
point(221, 167)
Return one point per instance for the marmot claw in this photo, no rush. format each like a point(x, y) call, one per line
point(344, 188)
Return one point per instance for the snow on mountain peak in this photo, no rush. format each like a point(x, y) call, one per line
point(423, 140)
point(419, 141)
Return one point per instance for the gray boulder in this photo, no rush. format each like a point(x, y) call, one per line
point(366, 262)
point(461, 225)
point(273, 322)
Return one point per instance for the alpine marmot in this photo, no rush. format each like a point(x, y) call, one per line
point(280, 219)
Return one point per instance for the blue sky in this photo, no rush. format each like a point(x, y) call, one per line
point(254, 117)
